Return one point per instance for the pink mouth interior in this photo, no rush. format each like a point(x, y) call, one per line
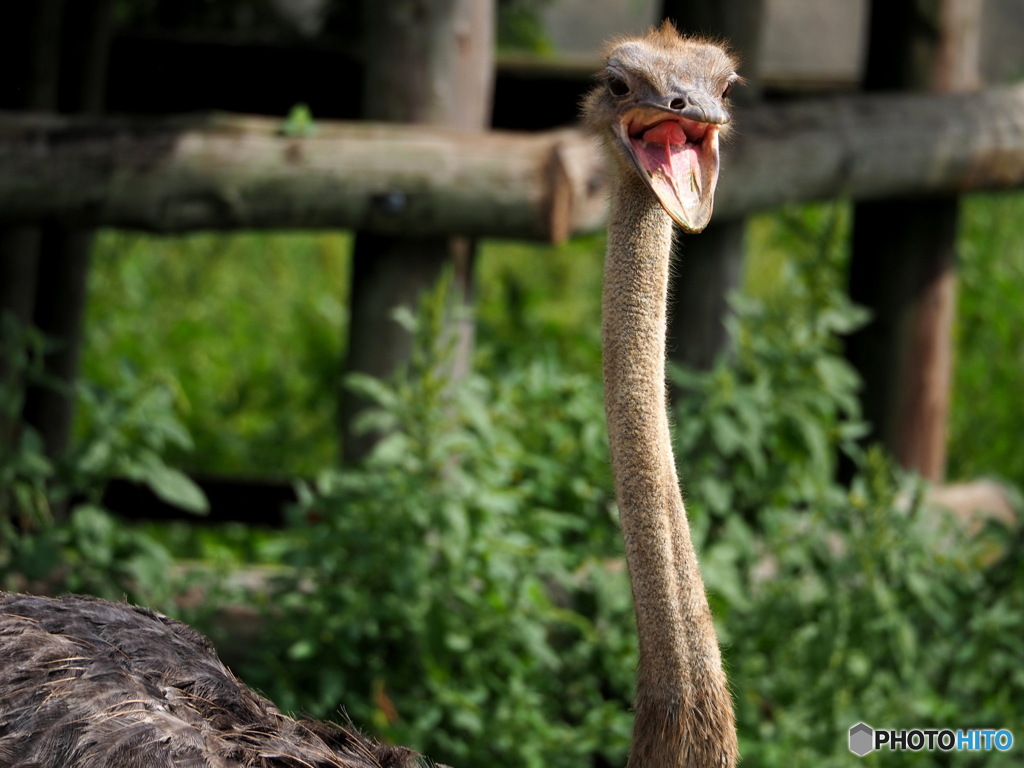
point(671, 153)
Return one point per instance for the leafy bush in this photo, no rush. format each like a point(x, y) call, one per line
point(463, 592)
point(766, 427)
point(836, 604)
point(986, 418)
point(24, 469)
point(863, 610)
point(54, 533)
point(465, 599)
point(253, 362)
point(243, 330)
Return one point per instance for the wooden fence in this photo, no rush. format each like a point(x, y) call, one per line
point(235, 172)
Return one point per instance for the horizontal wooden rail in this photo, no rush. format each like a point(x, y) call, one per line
point(874, 147)
point(234, 172)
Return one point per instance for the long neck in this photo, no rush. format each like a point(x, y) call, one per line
point(683, 707)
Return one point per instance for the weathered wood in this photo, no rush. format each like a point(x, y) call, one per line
point(429, 64)
point(903, 259)
point(903, 271)
point(873, 147)
point(226, 172)
point(241, 172)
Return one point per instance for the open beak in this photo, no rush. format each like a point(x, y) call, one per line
point(677, 157)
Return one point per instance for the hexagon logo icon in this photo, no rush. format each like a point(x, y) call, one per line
point(861, 739)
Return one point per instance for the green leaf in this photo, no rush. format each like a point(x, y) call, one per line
point(177, 488)
point(299, 122)
point(302, 649)
point(726, 434)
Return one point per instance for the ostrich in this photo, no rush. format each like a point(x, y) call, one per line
point(86, 683)
point(659, 113)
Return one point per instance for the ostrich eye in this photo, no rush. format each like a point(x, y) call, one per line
point(617, 86)
point(734, 79)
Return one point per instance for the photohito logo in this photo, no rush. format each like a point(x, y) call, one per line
point(865, 739)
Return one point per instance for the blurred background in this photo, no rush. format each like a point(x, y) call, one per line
point(372, 466)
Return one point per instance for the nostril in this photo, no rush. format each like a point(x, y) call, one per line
point(677, 103)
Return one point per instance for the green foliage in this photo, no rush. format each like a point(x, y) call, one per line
point(549, 295)
point(463, 575)
point(986, 417)
point(985, 414)
point(25, 470)
point(766, 427)
point(520, 26)
point(867, 608)
point(246, 329)
point(299, 122)
point(54, 533)
point(835, 604)
point(243, 330)
point(126, 432)
point(463, 591)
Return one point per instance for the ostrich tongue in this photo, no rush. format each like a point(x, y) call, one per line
point(681, 165)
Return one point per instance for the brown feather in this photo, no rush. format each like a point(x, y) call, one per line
point(86, 683)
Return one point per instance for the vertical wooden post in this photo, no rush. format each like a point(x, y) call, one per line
point(706, 270)
point(59, 312)
point(64, 254)
point(426, 62)
point(30, 58)
point(903, 258)
point(709, 267)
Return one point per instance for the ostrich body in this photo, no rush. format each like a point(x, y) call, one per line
point(86, 683)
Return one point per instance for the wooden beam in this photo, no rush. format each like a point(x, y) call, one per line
point(231, 172)
point(235, 172)
point(873, 147)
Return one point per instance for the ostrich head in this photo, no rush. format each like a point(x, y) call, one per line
point(660, 108)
